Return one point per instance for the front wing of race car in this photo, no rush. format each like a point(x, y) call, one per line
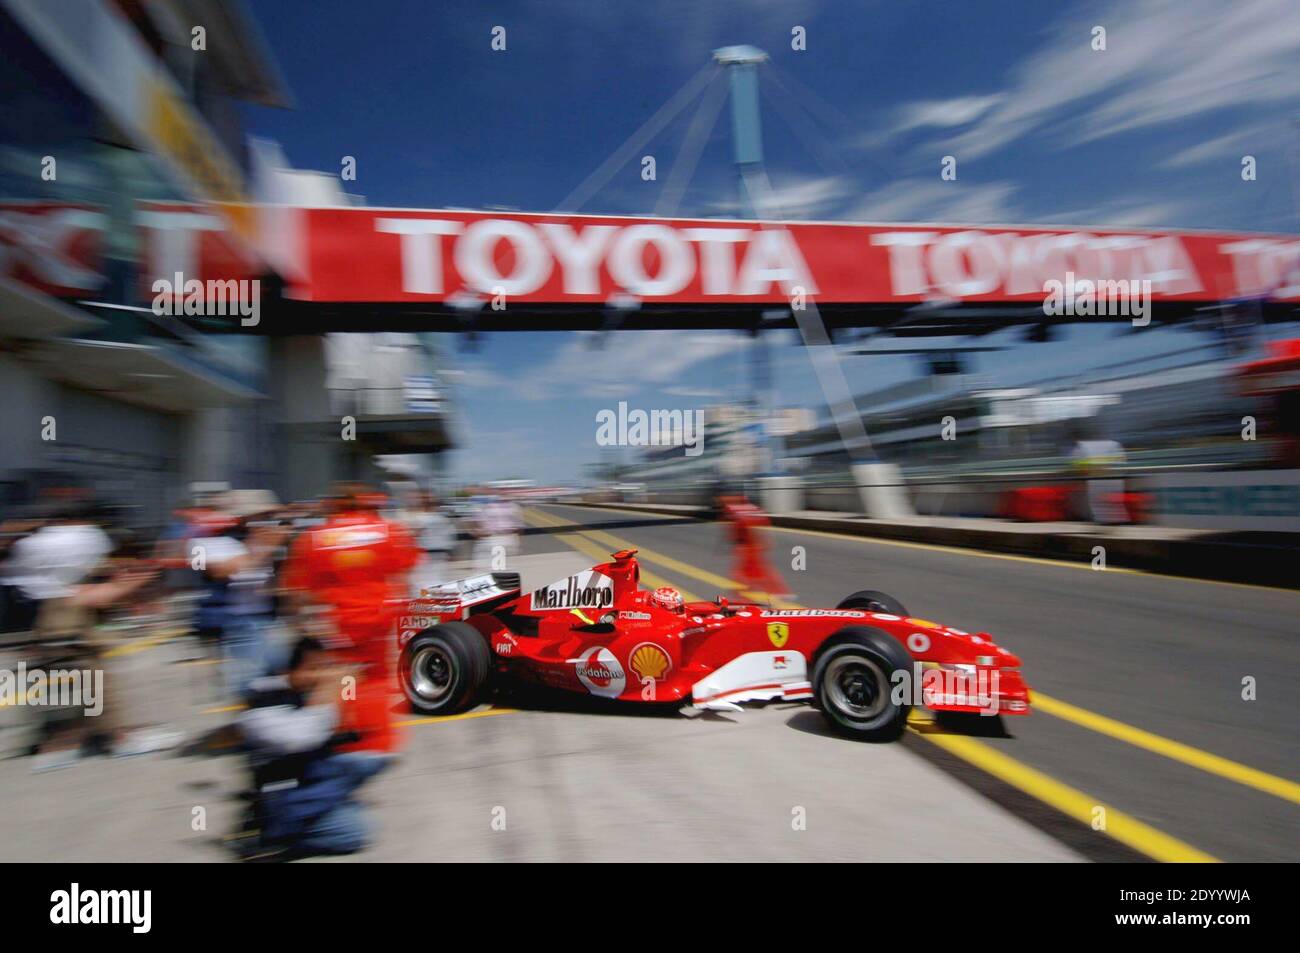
point(754, 676)
point(764, 676)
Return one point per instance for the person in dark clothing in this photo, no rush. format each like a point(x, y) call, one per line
point(303, 786)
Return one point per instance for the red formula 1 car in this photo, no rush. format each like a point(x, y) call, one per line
point(864, 664)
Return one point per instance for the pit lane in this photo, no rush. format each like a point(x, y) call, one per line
point(550, 777)
point(1141, 677)
point(574, 781)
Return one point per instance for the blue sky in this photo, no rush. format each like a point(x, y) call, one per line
point(1044, 129)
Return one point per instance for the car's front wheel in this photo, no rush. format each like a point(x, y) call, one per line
point(853, 680)
point(444, 669)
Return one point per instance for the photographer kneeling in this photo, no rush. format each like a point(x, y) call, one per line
point(304, 786)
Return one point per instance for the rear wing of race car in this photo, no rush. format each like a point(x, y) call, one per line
point(465, 597)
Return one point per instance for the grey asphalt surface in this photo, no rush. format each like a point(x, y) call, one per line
point(1159, 654)
point(551, 780)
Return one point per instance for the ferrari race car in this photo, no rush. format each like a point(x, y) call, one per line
point(864, 664)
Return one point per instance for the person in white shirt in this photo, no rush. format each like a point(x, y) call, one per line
point(63, 569)
point(497, 526)
point(435, 534)
point(51, 562)
point(1098, 463)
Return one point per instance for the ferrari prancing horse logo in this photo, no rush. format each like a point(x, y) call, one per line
point(779, 633)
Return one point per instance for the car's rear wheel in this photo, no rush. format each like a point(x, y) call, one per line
point(444, 669)
point(853, 680)
point(868, 600)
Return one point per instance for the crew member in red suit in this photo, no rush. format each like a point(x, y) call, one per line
point(356, 565)
point(751, 566)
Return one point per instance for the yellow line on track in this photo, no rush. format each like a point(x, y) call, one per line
point(463, 716)
point(139, 645)
point(1067, 800)
point(427, 720)
point(1039, 560)
point(1166, 747)
point(1174, 750)
point(979, 554)
point(721, 583)
point(222, 709)
point(592, 551)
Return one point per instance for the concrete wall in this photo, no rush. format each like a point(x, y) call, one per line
point(129, 455)
point(27, 398)
point(306, 440)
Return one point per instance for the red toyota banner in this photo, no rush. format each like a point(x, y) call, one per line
point(181, 242)
point(52, 246)
point(412, 255)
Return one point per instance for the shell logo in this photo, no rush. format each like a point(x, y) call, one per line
point(648, 660)
point(924, 623)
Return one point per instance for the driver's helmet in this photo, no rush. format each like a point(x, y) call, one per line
point(666, 597)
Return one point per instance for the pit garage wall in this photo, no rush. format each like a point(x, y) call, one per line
point(28, 397)
point(1224, 500)
point(1217, 500)
point(1229, 500)
point(128, 455)
point(306, 441)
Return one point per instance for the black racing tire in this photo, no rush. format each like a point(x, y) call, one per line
point(853, 682)
point(444, 669)
point(872, 601)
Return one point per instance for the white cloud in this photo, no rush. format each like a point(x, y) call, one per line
point(1165, 60)
point(1130, 212)
point(473, 374)
point(1234, 145)
point(626, 363)
point(708, 393)
point(933, 200)
point(943, 113)
point(796, 197)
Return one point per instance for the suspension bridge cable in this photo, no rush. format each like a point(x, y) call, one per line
point(806, 132)
point(812, 134)
point(812, 329)
point(599, 178)
point(688, 157)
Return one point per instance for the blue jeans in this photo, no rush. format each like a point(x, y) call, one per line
point(319, 816)
point(343, 830)
point(243, 643)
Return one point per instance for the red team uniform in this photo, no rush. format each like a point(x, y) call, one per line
point(356, 563)
point(751, 567)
